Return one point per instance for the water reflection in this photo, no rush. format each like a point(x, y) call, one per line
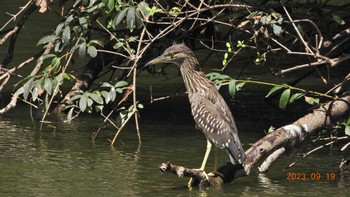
point(64, 161)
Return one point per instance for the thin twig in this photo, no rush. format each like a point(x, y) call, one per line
point(13, 31)
point(15, 15)
point(307, 48)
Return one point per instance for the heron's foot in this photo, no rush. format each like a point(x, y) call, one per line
point(190, 183)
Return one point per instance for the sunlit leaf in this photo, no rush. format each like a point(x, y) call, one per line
point(97, 98)
point(274, 89)
point(83, 22)
point(144, 9)
point(271, 129)
point(99, 108)
point(120, 16)
point(92, 51)
point(46, 39)
point(311, 100)
point(239, 86)
point(121, 84)
point(82, 50)
point(140, 106)
point(295, 97)
point(19, 91)
point(97, 42)
point(90, 102)
point(83, 103)
point(130, 18)
point(105, 95)
point(105, 84)
point(284, 99)
point(35, 91)
point(70, 114)
point(110, 4)
point(347, 130)
point(59, 29)
point(118, 45)
point(48, 85)
point(66, 35)
point(27, 87)
point(277, 30)
point(44, 57)
point(232, 88)
point(112, 94)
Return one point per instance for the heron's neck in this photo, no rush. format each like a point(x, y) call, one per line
point(194, 79)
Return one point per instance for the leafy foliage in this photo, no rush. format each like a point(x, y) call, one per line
point(95, 101)
point(115, 38)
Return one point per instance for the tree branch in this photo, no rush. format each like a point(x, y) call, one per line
point(271, 146)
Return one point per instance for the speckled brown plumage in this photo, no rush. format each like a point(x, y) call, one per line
point(210, 111)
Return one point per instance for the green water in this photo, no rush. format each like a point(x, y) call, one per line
point(66, 162)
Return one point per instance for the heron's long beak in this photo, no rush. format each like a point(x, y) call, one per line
point(158, 60)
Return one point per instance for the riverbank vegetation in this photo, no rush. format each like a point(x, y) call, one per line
point(116, 38)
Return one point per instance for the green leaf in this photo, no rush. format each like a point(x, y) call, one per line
point(112, 94)
point(295, 97)
point(311, 100)
point(140, 106)
point(144, 9)
point(82, 50)
point(118, 45)
point(130, 18)
point(277, 30)
point(46, 39)
point(69, 19)
point(120, 84)
point(44, 57)
point(274, 89)
point(66, 35)
point(83, 21)
point(27, 87)
point(132, 38)
point(338, 19)
point(284, 99)
point(271, 129)
point(348, 122)
point(59, 29)
point(92, 51)
point(35, 91)
point(120, 16)
point(70, 114)
point(347, 130)
point(99, 108)
point(97, 98)
point(232, 88)
point(110, 4)
point(97, 42)
point(106, 84)
point(239, 86)
point(90, 102)
point(105, 95)
point(83, 103)
point(225, 55)
point(48, 85)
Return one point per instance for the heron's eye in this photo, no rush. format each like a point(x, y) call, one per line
point(171, 55)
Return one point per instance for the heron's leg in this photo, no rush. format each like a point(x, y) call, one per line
point(207, 152)
point(204, 162)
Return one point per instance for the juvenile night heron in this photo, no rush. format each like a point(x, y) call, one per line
point(210, 112)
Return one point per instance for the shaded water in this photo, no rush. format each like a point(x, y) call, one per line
point(65, 162)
